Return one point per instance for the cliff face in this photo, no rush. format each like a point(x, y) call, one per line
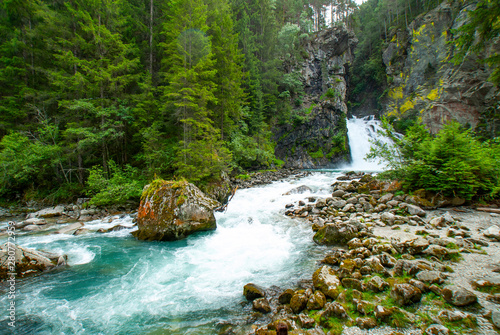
point(317, 136)
point(423, 81)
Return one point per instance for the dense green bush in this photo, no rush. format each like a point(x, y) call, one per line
point(122, 185)
point(452, 163)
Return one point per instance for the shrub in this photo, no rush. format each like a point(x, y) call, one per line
point(452, 163)
point(124, 184)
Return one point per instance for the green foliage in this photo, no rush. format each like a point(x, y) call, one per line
point(122, 185)
point(453, 163)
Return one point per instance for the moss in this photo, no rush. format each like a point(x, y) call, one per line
point(317, 154)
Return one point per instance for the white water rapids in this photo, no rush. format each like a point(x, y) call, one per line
point(118, 285)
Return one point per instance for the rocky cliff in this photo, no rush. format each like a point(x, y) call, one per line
point(317, 134)
point(423, 82)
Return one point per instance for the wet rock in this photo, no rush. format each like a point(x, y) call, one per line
point(377, 284)
point(316, 301)
point(405, 294)
point(364, 307)
point(70, 229)
point(173, 210)
point(299, 190)
point(339, 194)
point(493, 232)
point(355, 243)
point(326, 281)
point(366, 323)
point(458, 296)
point(418, 284)
point(431, 277)
point(298, 302)
point(437, 329)
point(81, 231)
point(35, 221)
point(321, 203)
point(286, 296)
point(252, 292)
point(261, 305)
point(31, 227)
point(26, 262)
point(332, 234)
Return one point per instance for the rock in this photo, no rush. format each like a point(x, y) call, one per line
point(299, 190)
point(382, 313)
point(388, 218)
point(405, 294)
point(173, 210)
point(437, 329)
point(261, 305)
point(35, 221)
point(351, 283)
point(495, 318)
point(286, 296)
point(316, 301)
point(334, 309)
point(385, 198)
point(326, 281)
point(298, 302)
point(415, 210)
point(452, 316)
point(26, 262)
point(364, 307)
point(387, 260)
point(81, 231)
point(418, 284)
point(305, 321)
point(377, 284)
point(338, 204)
point(321, 203)
point(339, 194)
point(48, 212)
point(431, 277)
point(252, 292)
point(366, 323)
point(332, 234)
point(486, 284)
point(409, 243)
point(493, 232)
point(31, 227)
point(458, 296)
point(70, 229)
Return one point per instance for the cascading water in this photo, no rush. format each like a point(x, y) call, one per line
point(360, 132)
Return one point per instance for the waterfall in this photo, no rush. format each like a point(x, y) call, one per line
point(360, 132)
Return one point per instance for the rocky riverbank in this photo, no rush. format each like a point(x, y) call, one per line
point(391, 267)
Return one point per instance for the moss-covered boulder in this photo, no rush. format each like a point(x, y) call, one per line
point(325, 280)
point(334, 234)
point(172, 210)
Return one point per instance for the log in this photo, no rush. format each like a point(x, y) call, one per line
point(489, 210)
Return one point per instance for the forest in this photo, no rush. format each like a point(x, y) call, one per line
point(102, 96)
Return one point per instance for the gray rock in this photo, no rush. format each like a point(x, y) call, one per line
point(334, 309)
point(48, 212)
point(415, 210)
point(332, 234)
point(305, 321)
point(385, 198)
point(366, 322)
point(493, 232)
point(377, 284)
point(31, 227)
point(299, 190)
point(409, 243)
point(388, 218)
point(495, 318)
point(338, 193)
point(458, 296)
point(431, 277)
point(70, 229)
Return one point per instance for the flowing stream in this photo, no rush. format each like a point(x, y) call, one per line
point(118, 285)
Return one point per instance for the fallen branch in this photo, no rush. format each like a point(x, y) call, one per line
point(489, 210)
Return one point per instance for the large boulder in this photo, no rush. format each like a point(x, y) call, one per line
point(458, 296)
point(405, 294)
point(172, 210)
point(26, 262)
point(332, 234)
point(47, 212)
